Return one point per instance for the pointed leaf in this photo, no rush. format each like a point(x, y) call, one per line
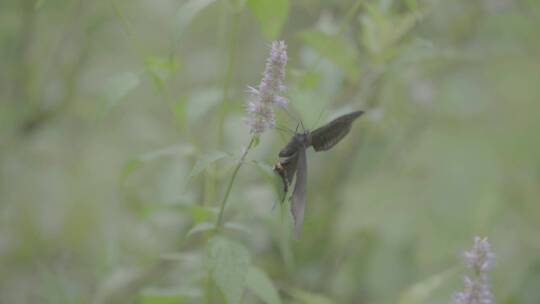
point(160, 69)
point(205, 161)
point(228, 263)
point(261, 285)
point(135, 163)
point(201, 227)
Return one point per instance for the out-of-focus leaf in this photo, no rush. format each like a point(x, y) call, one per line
point(336, 49)
point(308, 80)
point(119, 86)
point(269, 174)
point(201, 227)
point(160, 69)
point(237, 227)
point(200, 103)
point(129, 167)
point(201, 214)
point(265, 168)
point(412, 4)
point(165, 296)
point(205, 161)
point(237, 5)
point(208, 226)
point(179, 110)
point(271, 15)
point(185, 15)
point(306, 297)
point(261, 285)
point(136, 162)
point(39, 4)
point(256, 141)
point(228, 263)
point(381, 31)
point(421, 291)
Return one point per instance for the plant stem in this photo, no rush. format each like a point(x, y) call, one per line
point(231, 182)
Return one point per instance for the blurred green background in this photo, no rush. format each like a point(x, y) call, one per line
point(107, 106)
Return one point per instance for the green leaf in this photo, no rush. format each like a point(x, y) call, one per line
point(205, 161)
point(237, 227)
point(412, 4)
point(201, 227)
point(185, 15)
point(271, 15)
point(256, 141)
point(421, 291)
point(164, 296)
point(201, 214)
point(39, 4)
point(135, 163)
point(129, 167)
point(261, 285)
point(269, 174)
point(119, 86)
point(228, 263)
point(201, 103)
point(237, 5)
point(179, 109)
point(160, 69)
point(306, 297)
point(381, 31)
point(334, 48)
point(209, 226)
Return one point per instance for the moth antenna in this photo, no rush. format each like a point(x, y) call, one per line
point(320, 116)
point(296, 130)
point(284, 129)
point(302, 124)
point(290, 114)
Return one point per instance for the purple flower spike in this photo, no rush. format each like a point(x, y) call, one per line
point(477, 289)
point(262, 99)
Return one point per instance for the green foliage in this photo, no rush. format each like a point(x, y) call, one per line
point(160, 69)
point(39, 4)
point(422, 292)
point(271, 15)
point(228, 264)
point(448, 149)
point(119, 86)
point(336, 49)
point(166, 296)
point(261, 285)
point(383, 30)
point(186, 13)
point(205, 161)
point(305, 297)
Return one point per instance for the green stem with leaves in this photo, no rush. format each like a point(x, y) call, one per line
point(219, 222)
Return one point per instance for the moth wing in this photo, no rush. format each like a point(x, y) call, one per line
point(291, 148)
point(286, 170)
point(298, 199)
point(327, 136)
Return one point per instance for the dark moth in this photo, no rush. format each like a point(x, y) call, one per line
point(294, 161)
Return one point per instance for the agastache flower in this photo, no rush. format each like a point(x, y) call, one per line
point(269, 92)
point(477, 289)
